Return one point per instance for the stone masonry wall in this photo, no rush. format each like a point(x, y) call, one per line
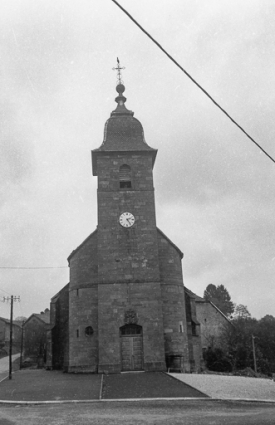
point(84, 264)
point(212, 324)
point(5, 336)
point(114, 301)
point(83, 311)
point(128, 262)
point(173, 297)
point(34, 339)
point(60, 330)
point(126, 254)
point(194, 334)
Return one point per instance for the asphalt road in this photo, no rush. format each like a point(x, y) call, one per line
point(4, 366)
point(194, 412)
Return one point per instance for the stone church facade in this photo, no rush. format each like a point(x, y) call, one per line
point(125, 307)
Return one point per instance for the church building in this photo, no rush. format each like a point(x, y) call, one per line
point(125, 307)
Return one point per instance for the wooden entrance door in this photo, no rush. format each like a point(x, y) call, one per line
point(131, 352)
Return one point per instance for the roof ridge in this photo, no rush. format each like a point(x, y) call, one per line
point(172, 243)
point(79, 246)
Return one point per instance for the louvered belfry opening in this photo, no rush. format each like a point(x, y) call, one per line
point(125, 177)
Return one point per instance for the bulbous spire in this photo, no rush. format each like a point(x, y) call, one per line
point(122, 132)
point(120, 100)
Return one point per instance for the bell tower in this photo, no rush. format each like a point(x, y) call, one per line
point(126, 294)
point(128, 262)
point(126, 207)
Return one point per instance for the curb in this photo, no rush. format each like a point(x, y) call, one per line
point(4, 379)
point(101, 388)
point(120, 400)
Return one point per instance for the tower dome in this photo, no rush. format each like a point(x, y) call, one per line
point(122, 132)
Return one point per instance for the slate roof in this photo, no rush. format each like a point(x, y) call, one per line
point(14, 322)
point(79, 246)
point(193, 295)
point(203, 300)
point(94, 233)
point(171, 243)
point(220, 311)
point(57, 294)
point(45, 317)
point(122, 133)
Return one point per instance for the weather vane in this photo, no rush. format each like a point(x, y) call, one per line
point(118, 69)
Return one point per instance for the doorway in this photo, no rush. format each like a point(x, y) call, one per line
point(131, 347)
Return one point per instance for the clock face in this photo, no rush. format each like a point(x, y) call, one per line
point(126, 219)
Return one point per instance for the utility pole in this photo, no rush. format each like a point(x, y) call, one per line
point(11, 299)
point(254, 354)
point(22, 345)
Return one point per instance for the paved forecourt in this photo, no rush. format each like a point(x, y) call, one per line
point(146, 385)
point(41, 385)
point(230, 387)
point(38, 385)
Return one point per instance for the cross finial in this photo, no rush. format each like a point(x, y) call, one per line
point(118, 69)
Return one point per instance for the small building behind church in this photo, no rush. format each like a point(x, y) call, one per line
point(58, 332)
point(34, 338)
point(213, 323)
point(212, 320)
point(194, 331)
point(5, 336)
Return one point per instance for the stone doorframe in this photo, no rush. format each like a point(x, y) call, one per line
point(131, 346)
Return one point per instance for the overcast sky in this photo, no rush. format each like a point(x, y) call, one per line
point(214, 188)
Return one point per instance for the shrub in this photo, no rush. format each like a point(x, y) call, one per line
point(216, 360)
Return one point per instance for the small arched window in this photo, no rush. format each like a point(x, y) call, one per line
point(125, 181)
point(89, 331)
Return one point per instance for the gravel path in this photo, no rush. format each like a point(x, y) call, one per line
point(234, 387)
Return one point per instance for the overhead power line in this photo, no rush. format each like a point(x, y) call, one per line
point(2, 290)
point(33, 268)
point(193, 80)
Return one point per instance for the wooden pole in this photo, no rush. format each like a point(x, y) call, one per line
point(22, 345)
point(10, 356)
point(254, 354)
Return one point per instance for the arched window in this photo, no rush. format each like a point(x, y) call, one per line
point(131, 329)
point(125, 177)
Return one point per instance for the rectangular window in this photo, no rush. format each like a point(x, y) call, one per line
point(77, 333)
point(181, 328)
point(125, 180)
point(125, 185)
point(194, 329)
